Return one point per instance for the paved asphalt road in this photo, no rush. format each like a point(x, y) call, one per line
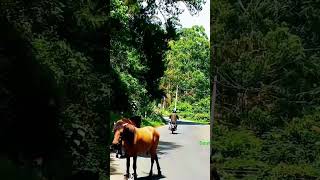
point(181, 157)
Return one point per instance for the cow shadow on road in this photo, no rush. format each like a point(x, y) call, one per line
point(176, 133)
point(154, 177)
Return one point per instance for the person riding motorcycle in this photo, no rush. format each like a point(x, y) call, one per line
point(173, 119)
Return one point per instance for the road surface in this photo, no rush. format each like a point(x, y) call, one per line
point(181, 155)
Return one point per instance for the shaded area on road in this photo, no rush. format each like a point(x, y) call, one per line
point(189, 123)
point(164, 146)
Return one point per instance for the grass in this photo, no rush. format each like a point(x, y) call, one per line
point(156, 119)
point(197, 121)
point(190, 119)
point(182, 115)
point(148, 122)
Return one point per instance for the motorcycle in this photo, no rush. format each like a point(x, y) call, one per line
point(172, 127)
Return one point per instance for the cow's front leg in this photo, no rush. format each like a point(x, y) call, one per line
point(119, 152)
point(123, 155)
point(128, 166)
point(135, 167)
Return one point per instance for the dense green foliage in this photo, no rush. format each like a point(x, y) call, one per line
point(266, 59)
point(65, 65)
point(137, 51)
point(58, 85)
point(188, 68)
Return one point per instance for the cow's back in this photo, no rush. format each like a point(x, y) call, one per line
point(145, 138)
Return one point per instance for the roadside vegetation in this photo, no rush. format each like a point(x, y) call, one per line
point(266, 59)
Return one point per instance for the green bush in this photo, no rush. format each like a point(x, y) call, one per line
point(259, 120)
point(202, 106)
point(303, 135)
point(199, 111)
point(181, 107)
point(298, 142)
point(257, 168)
point(237, 143)
point(304, 130)
point(164, 112)
point(244, 163)
point(201, 117)
point(287, 171)
point(186, 115)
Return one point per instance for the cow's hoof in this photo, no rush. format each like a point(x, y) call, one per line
point(150, 174)
point(159, 173)
point(135, 176)
point(126, 175)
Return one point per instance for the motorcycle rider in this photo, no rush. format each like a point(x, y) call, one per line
point(173, 118)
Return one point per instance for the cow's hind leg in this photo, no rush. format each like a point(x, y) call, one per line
point(158, 166)
point(152, 161)
point(135, 167)
point(156, 138)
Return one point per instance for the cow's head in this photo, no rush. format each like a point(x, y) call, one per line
point(118, 133)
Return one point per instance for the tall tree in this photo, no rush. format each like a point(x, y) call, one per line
point(188, 65)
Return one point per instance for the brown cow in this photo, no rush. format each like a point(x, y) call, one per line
point(138, 141)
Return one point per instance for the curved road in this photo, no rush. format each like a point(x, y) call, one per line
point(180, 155)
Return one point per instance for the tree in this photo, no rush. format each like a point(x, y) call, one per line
point(188, 65)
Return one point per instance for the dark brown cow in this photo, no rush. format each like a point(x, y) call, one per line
point(137, 141)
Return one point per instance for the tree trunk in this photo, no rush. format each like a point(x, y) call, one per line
point(213, 171)
point(213, 101)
